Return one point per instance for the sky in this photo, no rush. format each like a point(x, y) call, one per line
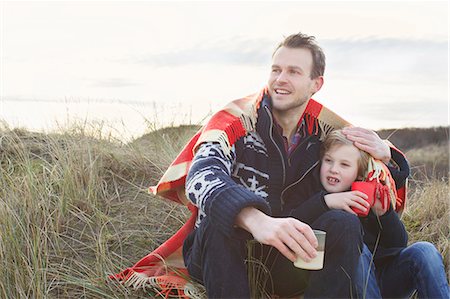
point(137, 64)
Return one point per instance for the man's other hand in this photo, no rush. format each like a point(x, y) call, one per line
point(369, 141)
point(290, 236)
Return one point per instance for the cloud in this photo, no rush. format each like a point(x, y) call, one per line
point(369, 55)
point(423, 111)
point(239, 51)
point(113, 82)
point(388, 56)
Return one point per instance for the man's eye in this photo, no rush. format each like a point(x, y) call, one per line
point(275, 71)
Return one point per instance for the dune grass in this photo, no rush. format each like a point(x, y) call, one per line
point(74, 208)
point(429, 162)
point(427, 216)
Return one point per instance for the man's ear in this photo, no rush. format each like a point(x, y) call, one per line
point(317, 85)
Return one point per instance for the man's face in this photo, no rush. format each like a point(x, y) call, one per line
point(290, 84)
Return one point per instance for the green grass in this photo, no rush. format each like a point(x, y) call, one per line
point(74, 208)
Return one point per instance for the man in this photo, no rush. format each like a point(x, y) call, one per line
point(261, 191)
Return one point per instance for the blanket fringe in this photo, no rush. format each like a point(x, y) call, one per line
point(325, 129)
point(195, 291)
point(222, 139)
point(377, 172)
point(229, 134)
point(165, 288)
point(137, 280)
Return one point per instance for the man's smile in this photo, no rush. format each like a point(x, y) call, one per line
point(282, 91)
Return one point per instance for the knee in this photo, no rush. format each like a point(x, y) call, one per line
point(208, 242)
point(425, 255)
point(339, 222)
point(343, 221)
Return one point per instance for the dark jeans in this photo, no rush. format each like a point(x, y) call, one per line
point(219, 262)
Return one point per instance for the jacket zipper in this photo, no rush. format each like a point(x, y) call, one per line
point(282, 159)
point(276, 145)
point(296, 147)
point(295, 183)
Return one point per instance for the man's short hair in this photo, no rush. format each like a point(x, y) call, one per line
point(337, 138)
point(301, 40)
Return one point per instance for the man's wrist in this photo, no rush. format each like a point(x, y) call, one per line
point(387, 158)
point(248, 218)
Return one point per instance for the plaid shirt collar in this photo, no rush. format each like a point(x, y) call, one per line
point(295, 139)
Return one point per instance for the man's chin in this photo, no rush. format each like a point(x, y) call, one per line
point(280, 97)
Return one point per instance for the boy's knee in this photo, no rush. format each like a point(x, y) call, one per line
point(341, 227)
point(343, 222)
point(424, 254)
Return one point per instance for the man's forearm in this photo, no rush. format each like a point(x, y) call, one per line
point(248, 218)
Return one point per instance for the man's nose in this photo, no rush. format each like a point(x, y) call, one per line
point(282, 77)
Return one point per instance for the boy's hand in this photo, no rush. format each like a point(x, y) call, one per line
point(346, 200)
point(378, 207)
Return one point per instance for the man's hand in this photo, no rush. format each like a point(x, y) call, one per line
point(346, 200)
point(290, 236)
point(369, 141)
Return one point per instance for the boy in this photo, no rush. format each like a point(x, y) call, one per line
point(397, 266)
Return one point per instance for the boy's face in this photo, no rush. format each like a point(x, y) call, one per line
point(339, 168)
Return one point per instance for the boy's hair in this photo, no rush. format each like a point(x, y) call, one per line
point(337, 138)
point(304, 41)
